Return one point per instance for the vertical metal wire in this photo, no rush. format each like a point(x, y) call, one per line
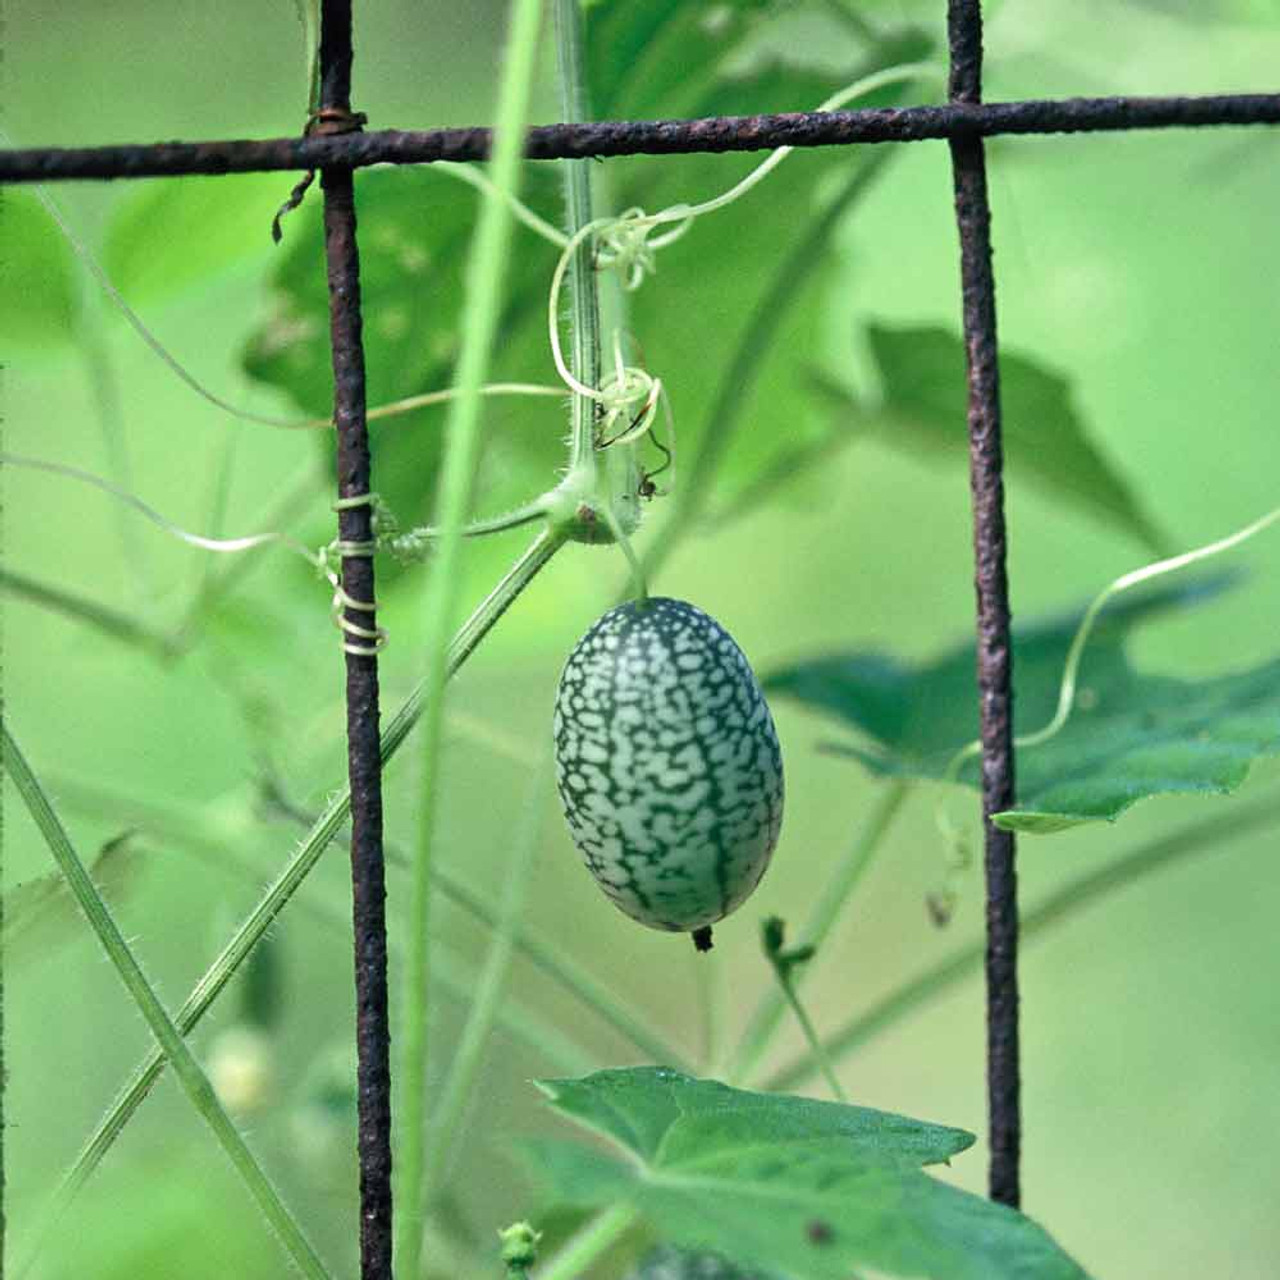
point(995, 652)
point(368, 878)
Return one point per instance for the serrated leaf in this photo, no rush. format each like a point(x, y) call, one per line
point(811, 1190)
point(923, 413)
point(1131, 735)
point(166, 236)
point(657, 1111)
point(37, 281)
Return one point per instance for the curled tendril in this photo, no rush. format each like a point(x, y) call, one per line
point(623, 244)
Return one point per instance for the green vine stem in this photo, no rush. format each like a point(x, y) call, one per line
point(1208, 836)
point(584, 298)
point(189, 1072)
point(487, 991)
point(485, 272)
point(835, 896)
point(604, 1230)
point(785, 961)
point(213, 837)
point(322, 832)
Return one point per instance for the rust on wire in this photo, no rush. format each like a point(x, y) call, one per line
point(327, 122)
point(364, 764)
point(650, 137)
point(994, 647)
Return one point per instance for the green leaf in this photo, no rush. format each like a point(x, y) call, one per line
point(415, 227)
point(922, 374)
point(166, 236)
point(41, 914)
point(809, 1189)
point(645, 60)
point(647, 1108)
point(37, 282)
point(1130, 735)
point(669, 1263)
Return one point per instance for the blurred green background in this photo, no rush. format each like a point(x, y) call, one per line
point(1142, 267)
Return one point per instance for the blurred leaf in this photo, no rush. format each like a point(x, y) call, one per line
point(811, 1189)
point(645, 60)
point(42, 914)
point(415, 227)
point(166, 236)
point(414, 231)
point(169, 1219)
point(262, 998)
point(753, 268)
point(669, 1263)
point(1130, 735)
point(37, 283)
point(924, 413)
point(1265, 12)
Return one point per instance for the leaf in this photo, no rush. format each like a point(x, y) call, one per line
point(37, 281)
point(41, 914)
point(1264, 12)
point(668, 1263)
point(645, 1108)
point(414, 229)
point(1130, 735)
point(166, 236)
point(922, 373)
point(415, 226)
point(643, 60)
point(810, 1189)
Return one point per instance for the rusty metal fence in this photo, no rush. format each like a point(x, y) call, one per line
point(337, 144)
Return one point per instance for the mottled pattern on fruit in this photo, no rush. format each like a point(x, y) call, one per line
point(667, 764)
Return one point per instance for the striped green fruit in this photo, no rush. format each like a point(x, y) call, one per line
point(667, 763)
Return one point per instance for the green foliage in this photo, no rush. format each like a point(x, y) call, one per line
point(415, 227)
point(922, 412)
point(414, 231)
point(166, 236)
point(810, 1189)
point(1131, 735)
point(42, 913)
point(668, 1263)
point(653, 61)
point(37, 284)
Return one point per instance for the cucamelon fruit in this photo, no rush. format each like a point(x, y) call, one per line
point(668, 765)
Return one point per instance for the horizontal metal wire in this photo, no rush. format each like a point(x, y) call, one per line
point(648, 137)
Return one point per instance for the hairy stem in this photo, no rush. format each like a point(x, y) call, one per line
point(584, 298)
point(486, 268)
point(190, 1075)
point(325, 827)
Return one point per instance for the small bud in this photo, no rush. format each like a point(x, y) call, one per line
point(519, 1246)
